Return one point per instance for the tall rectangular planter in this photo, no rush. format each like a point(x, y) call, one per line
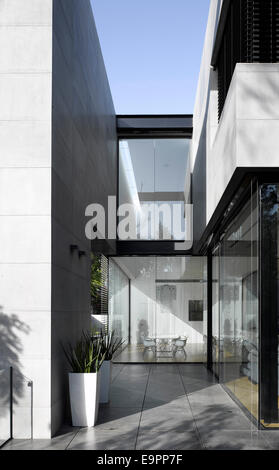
point(84, 398)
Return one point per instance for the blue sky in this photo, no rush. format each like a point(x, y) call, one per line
point(152, 51)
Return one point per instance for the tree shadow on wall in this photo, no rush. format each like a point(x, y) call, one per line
point(11, 349)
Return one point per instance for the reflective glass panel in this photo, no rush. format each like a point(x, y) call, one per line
point(238, 291)
point(269, 384)
point(154, 180)
point(168, 303)
point(118, 302)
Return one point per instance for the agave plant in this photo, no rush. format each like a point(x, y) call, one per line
point(110, 344)
point(87, 356)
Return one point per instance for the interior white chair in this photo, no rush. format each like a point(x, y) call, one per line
point(149, 344)
point(179, 345)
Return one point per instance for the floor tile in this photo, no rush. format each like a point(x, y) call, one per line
point(126, 398)
point(235, 440)
point(214, 418)
point(93, 439)
point(168, 440)
point(59, 442)
point(115, 371)
point(118, 418)
point(272, 438)
point(163, 407)
point(167, 417)
point(211, 395)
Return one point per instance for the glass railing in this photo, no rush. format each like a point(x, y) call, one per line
point(6, 405)
point(16, 406)
point(22, 406)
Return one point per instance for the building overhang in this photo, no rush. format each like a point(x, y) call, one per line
point(139, 126)
point(138, 248)
point(150, 248)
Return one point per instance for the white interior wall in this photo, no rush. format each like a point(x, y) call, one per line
point(147, 317)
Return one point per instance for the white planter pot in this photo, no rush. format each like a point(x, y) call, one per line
point(84, 398)
point(105, 379)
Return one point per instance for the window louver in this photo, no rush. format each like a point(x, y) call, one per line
point(251, 34)
point(104, 288)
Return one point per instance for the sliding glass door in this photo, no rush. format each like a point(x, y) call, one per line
point(168, 302)
point(119, 300)
point(269, 390)
point(235, 308)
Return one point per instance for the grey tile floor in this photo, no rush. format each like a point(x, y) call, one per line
point(162, 407)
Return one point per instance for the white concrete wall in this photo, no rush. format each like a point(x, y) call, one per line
point(206, 92)
point(246, 135)
point(248, 132)
point(58, 154)
point(204, 88)
point(25, 206)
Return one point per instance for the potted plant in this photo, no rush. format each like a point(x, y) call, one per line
point(110, 344)
point(85, 359)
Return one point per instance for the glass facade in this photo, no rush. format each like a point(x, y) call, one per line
point(168, 301)
point(238, 295)
point(154, 180)
point(119, 300)
point(235, 307)
point(269, 304)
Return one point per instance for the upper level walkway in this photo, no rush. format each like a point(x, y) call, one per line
point(163, 407)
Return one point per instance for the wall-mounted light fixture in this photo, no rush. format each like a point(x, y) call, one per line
point(73, 248)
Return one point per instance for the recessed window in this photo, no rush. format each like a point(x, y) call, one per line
point(154, 179)
point(195, 310)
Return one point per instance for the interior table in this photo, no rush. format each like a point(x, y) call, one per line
point(164, 345)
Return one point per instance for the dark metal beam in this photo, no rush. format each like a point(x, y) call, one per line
point(234, 194)
point(155, 125)
point(209, 311)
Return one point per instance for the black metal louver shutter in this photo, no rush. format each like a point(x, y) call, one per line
point(251, 35)
point(260, 31)
point(275, 30)
point(221, 82)
point(104, 288)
